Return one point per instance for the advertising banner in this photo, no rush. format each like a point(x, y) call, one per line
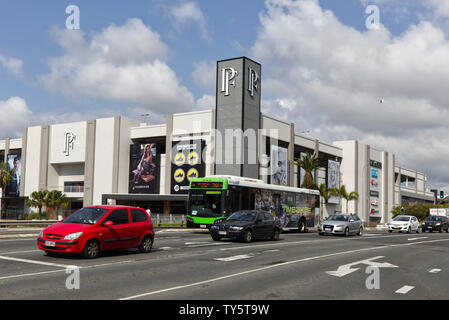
point(279, 165)
point(333, 178)
point(144, 169)
point(374, 182)
point(14, 163)
point(302, 173)
point(186, 164)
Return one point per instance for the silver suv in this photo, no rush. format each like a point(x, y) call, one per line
point(344, 224)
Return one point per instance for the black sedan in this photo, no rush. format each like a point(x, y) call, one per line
point(247, 225)
point(435, 223)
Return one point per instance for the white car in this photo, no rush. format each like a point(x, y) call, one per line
point(404, 223)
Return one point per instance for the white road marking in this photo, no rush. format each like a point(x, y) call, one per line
point(435, 270)
point(371, 234)
point(404, 289)
point(30, 274)
point(15, 252)
point(275, 266)
point(210, 244)
point(413, 239)
point(34, 262)
point(190, 243)
point(166, 248)
point(346, 269)
point(235, 258)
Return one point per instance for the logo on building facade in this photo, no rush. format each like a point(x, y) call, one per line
point(253, 81)
point(228, 76)
point(69, 143)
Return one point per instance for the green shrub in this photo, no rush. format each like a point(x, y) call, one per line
point(35, 216)
point(418, 210)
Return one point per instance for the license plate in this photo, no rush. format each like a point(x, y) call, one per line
point(429, 227)
point(327, 229)
point(222, 233)
point(203, 226)
point(50, 244)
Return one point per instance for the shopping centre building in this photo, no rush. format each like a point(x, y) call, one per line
point(119, 160)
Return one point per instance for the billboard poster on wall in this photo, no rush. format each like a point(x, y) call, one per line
point(14, 162)
point(333, 178)
point(186, 164)
point(374, 182)
point(144, 169)
point(279, 165)
point(302, 173)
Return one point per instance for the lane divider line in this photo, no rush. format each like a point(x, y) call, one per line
point(257, 270)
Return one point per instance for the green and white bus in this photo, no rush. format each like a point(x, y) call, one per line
point(213, 199)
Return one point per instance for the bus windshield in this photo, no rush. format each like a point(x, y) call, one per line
point(205, 205)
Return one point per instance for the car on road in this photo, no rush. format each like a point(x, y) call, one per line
point(435, 223)
point(343, 224)
point(404, 224)
point(91, 230)
point(247, 225)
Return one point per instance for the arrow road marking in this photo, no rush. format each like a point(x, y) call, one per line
point(346, 269)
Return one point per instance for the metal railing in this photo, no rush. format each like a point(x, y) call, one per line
point(26, 223)
point(164, 220)
point(159, 220)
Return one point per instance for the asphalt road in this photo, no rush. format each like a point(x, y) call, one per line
point(190, 266)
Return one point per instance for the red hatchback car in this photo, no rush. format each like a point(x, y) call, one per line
point(91, 230)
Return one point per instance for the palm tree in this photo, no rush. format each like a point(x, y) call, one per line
point(326, 193)
point(309, 163)
point(54, 200)
point(6, 178)
point(38, 199)
point(342, 193)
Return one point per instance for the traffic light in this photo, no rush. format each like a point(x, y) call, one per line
point(441, 194)
point(402, 211)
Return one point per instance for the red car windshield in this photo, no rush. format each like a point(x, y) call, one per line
point(86, 216)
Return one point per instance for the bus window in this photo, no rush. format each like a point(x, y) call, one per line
point(206, 205)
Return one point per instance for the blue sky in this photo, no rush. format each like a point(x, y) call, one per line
point(25, 32)
point(324, 72)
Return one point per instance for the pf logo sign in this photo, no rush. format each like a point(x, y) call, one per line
point(228, 76)
point(68, 143)
point(253, 81)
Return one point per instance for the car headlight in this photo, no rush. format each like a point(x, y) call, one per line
point(73, 236)
point(236, 228)
point(423, 223)
point(214, 227)
point(438, 224)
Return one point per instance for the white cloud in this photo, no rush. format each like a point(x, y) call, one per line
point(327, 75)
point(204, 75)
point(15, 116)
point(124, 64)
point(206, 102)
point(190, 13)
point(12, 64)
